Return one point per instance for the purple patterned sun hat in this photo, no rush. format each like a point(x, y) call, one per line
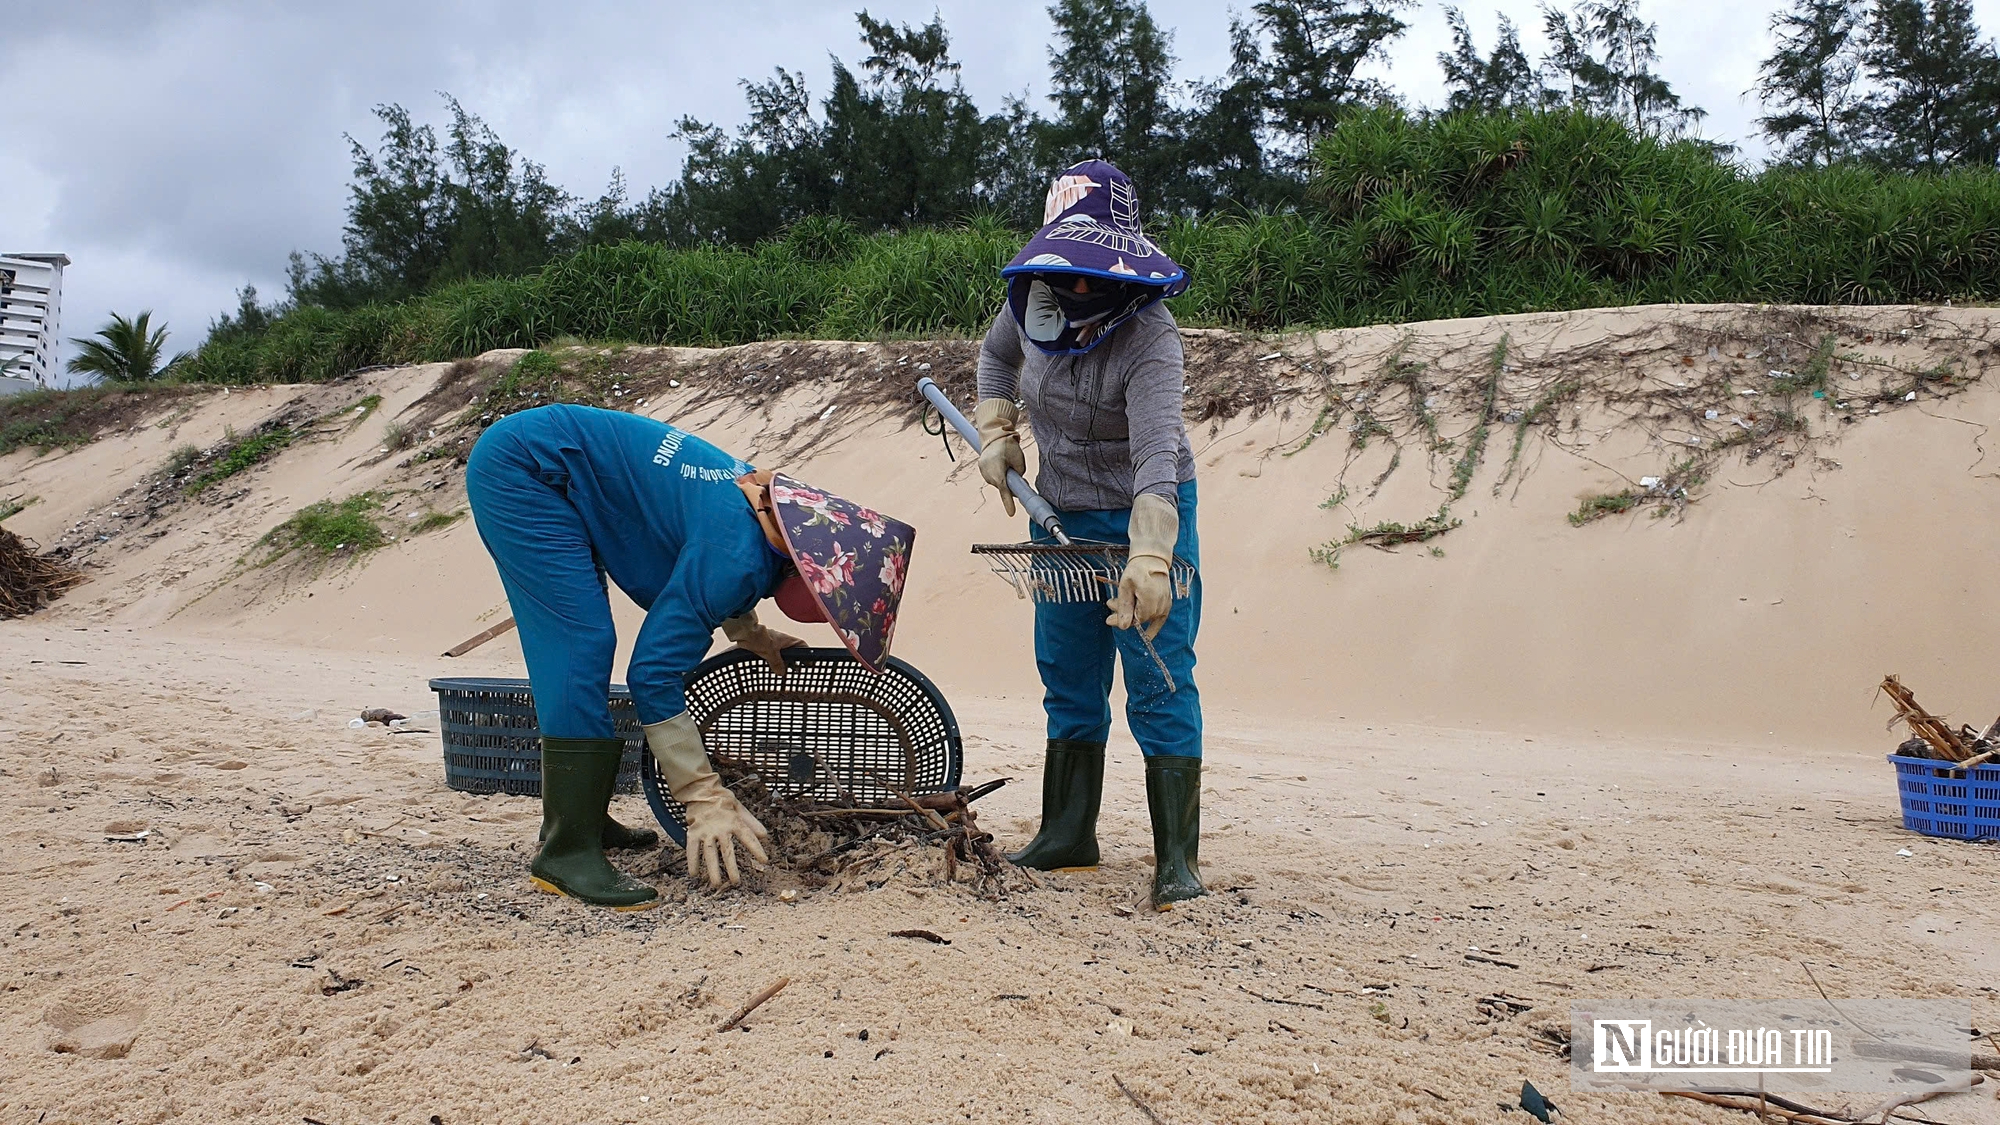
point(1090, 229)
point(853, 560)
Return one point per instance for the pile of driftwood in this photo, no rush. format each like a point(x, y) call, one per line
point(29, 581)
point(850, 845)
point(1934, 737)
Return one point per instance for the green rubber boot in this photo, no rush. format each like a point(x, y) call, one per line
point(1072, 791)
point(578, 776)
point(617, 837)
point(624, 838)
point(1173, 795)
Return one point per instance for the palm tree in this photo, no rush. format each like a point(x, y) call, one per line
point(124, 351)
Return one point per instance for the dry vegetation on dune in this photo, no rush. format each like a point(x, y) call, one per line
point(51, 420)
point(1768, 385)
point(1763, 386)
point(1473, 407)
point(1460, 401)
point(29, 580)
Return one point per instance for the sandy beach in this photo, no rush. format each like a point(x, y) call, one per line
point(1450, 788)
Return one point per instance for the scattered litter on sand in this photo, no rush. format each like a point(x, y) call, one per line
point(1651, 782)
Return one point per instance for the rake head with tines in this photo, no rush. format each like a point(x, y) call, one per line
point(1069, 573)
point(1076, 572)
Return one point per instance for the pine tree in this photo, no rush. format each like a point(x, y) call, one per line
point(903, 148)
point(1317, 46)
point(1227, 132)
point(1601, 58)
point(1502, 80)
point(1811, 78)
point(1571, 73)
point(1631, 54)
point(1110, 73)
point(749, 187)
point(893, 146)
point(1939, 97)
point(420, 213)
point(505, 214)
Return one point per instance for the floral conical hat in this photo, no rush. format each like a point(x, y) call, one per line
point(852, 560)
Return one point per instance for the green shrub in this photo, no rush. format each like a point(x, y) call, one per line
point(327, 529)
point(238, 455)
point(1594, 508)
point(431, 521)
point(1410, 218)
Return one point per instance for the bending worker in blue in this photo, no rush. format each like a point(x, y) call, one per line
point(1085, 344)
point(566, 496)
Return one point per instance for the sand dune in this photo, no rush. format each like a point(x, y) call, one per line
point(1764, 610)
point(1632, 758)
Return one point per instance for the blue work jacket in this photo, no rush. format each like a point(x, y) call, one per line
point(667, 524)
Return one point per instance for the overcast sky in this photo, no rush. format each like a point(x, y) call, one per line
point(176, 151)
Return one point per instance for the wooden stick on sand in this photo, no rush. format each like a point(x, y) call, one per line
point(1759, 1107)
point(1881, 1112)
point(1151, 1116)
point(756, 1002)
point(472, 642)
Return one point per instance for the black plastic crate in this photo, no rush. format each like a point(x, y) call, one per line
point(493, 745)
point(827, 729)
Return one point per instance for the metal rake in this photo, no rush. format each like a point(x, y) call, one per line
point(1067, 571)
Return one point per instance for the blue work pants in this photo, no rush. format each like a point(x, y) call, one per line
point(540, 546)
point(1074, 650)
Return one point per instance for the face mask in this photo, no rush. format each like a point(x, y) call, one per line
point(1060, 320)
point(1083, 308)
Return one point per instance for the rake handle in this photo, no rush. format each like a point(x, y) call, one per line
point(1038, 508)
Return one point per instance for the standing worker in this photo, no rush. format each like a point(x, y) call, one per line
point(565, 496)
point(1086, 344)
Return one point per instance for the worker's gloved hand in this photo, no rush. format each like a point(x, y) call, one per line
point(1146, 590)
point(996, 420)
point(716, 823)
point(746, 633)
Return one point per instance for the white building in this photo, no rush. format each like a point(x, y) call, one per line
point(30, 312)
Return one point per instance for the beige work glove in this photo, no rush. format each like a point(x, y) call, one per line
point(716, 823)
point(746, 633)
point(999, 444)
point(1146, 591)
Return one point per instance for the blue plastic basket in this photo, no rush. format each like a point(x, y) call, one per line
point(493, 745)
point(1940, 799)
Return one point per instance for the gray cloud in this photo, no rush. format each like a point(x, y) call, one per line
point(178, 150)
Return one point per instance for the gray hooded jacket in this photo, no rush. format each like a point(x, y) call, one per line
point(1107, 423)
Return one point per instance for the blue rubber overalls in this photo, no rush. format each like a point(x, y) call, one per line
point(565, 496)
